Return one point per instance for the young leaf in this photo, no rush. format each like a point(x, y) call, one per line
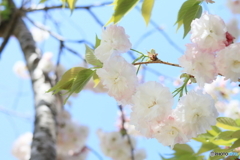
point(227, 123)
point(97, 42)
point(80, 81)
point(96, 79)
point(66, 80)
point(43, 1)
point(71, 4)
point(194, 12)
point(207, 147)
point(236, 144)
point(183, 10)
point(121, 8)
point(214, 131)
point(147, 7)
point(91, 58)
point(182, 148)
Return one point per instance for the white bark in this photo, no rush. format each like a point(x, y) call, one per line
point(44, 137)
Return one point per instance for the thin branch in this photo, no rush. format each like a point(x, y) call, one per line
point(74, 52)
point(125, 131)
point(55, 35)
point(166, 63)
point(95, 17)
point(61, 7)
point(144, 36)
point(16, 114)
point(158, 61)
point(9, 32)
point(165, 35)
point(94, 152)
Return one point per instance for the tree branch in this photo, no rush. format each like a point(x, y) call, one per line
point(61, 7)
point(124, 131)
point(157, 61)
point(166, 63)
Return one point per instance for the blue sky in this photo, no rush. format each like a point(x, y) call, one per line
point(94, 110)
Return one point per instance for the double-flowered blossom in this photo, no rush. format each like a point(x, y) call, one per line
point(209, 33)
point(232, 27)
point(119, 77)
point(197, 113)
point(114, 41)
point(117, 147)
point(152, 102)
point(169, 132)
point(228, 62)
point(199, 64)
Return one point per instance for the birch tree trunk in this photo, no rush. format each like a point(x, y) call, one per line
point(44, 136)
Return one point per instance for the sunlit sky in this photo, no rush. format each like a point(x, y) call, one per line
point(94, 110)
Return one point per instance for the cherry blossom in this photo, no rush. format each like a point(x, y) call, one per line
point(199, 64)
point(228, 62)
point(152, 102)
point(197, 112)
point(209, 32)
point(116, 146)
point(119, 77)
point(114, 41)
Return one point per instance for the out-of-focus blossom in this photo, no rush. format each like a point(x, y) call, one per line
point(228, 62)
point(22, 146)
point(39, 35)
point(234, 6)
point(20, 69)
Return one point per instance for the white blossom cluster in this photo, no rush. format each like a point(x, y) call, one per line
point(222, 92)
point(151, 102)
point(71, 139)
point(117, 147)
point(234, 6)
point(212, 52)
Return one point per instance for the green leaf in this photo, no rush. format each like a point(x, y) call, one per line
point(223, 142)
point(237, 122)
point(182, 149)
point(183, 10)
point(97, 42)
point(147, 7)
point(71, 4)
point(236, 144)
point(205, 137)
point(96, 79)
point(215, 131)
point(194, 12)
point(80, 81)
point(121, 8)
point(66, 80)
point(91, 58)
point(207, 147)
point(227, 123)
point(43, 1)
point(226, 135)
